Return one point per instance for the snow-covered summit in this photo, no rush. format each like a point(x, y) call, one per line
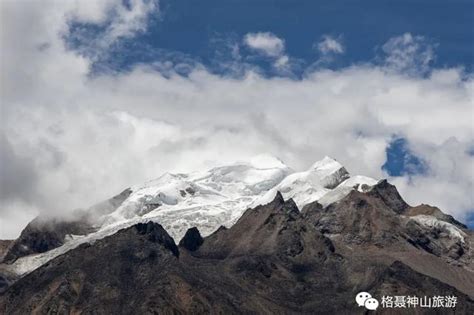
point(216, 192)
point(224, 192)
point(329, 172)
point(310, 185)
point(209, 199)
point(263, 161)
point(327, 163)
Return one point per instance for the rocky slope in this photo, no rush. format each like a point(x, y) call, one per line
point(274, 260)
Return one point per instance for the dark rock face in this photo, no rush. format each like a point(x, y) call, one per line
point(389, 195)
point(192, 240)
point(404, 281)
point(341, 175)
point(274, 260)
point(157, 234)
point(41, 235)
point(367, 223)
point(358, 219)
point(4, 246)
point(112, 275)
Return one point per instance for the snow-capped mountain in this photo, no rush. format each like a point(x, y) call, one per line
point(279, 224)
point(204, 199)
point(220, 195)
point(208, 199)
point(326, 182)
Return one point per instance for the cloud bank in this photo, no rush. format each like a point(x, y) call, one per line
point(69, 138)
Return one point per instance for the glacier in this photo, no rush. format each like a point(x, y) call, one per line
point(210, 199)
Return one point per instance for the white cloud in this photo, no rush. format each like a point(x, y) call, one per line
point(269, 45)
point(282, 62)
point(266, 43)
point(330, 45)
point(126, 22)
point(449, 180)
point(409, 53)
point(84, 138)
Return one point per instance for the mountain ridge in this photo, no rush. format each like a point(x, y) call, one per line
point(274, 259)
point(261, 222)
point(205, 199)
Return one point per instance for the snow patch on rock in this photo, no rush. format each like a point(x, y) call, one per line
point(432, 222)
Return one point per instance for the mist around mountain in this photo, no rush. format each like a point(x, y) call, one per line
point(253, 237)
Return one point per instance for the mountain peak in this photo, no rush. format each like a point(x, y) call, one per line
point(264, 161)
point(212, 198)
point(326, 163)
point(263, 236)
point(157, 234)
point(192, 239)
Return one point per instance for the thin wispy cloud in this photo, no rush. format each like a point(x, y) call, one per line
point(409, 53)
point(330, 45)
point(111, 20)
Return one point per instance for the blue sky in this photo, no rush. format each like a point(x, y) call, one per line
point(199, 30)
point(135, 88)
